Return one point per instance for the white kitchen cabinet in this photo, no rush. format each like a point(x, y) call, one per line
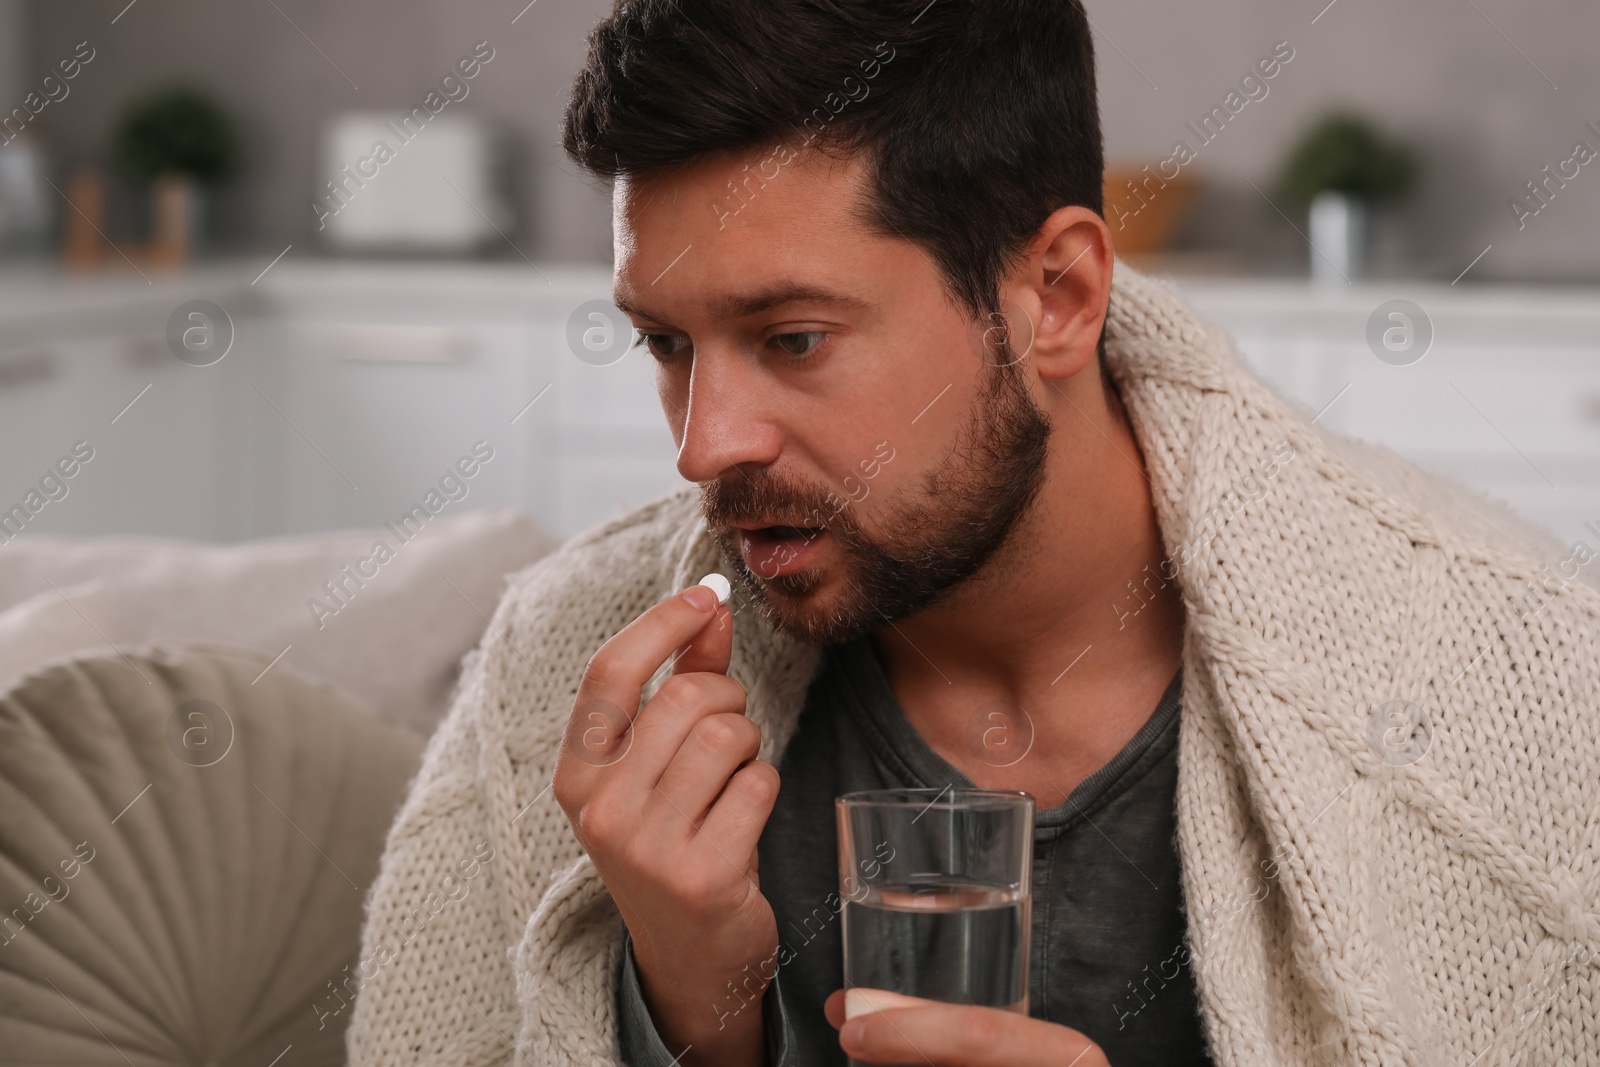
point(359, 417)
point(1506, 399)
point(163, 433)
point(399, 369)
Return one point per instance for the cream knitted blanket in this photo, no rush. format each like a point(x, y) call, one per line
point(1389, 758)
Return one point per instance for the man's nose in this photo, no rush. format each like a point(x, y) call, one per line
point(726, 422)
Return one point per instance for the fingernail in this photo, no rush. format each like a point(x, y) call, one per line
point(852, 1032)
point(700, 597)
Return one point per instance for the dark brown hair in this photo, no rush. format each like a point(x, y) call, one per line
point(980, 117)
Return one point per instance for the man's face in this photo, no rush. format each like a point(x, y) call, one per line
point(862, 446)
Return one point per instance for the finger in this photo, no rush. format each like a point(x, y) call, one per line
point(735, 821)
point(666, 722)
point(607, 701)
point(845, 1004)
point(715, 747)
point(864, 999)
point(621, 666)
point(833, 1008)
point(710, 649)
point(965, 1036)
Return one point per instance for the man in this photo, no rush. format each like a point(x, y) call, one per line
point(1311, 787)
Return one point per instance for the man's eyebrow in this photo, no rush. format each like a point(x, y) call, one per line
point(739, 305)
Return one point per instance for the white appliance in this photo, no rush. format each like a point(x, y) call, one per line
point(25, 202)
point(411, 182)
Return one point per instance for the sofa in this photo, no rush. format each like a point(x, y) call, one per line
point(202, 748)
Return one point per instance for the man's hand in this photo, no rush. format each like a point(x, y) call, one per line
point(669, 802)
point(955, 1035)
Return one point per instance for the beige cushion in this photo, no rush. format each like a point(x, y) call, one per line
point(396, 644)
point(177, 890)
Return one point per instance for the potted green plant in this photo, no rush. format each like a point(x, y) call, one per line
point(177, 138)
point(1341, 169)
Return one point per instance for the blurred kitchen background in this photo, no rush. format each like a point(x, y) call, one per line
point(1394, 209)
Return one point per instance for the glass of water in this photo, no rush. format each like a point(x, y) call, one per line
point(937, 895)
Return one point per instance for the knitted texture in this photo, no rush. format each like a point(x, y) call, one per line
point(1351, 900)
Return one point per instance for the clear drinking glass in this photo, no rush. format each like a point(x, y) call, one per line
point(936, 885)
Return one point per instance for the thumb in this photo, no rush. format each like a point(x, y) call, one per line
point(711, 648)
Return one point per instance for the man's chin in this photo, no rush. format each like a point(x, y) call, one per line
point(810, 606)
point(799, 587)
point(791, 597)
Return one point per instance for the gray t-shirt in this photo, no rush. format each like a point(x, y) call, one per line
point(1107, 954)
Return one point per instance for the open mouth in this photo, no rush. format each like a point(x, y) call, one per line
point(774, 550)
point(782, 533)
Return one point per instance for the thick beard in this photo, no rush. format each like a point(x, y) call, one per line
point(971, 503)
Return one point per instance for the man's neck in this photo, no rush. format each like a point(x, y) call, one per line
point(1076, 621)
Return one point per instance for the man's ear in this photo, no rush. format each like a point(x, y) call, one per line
point(1063, 287)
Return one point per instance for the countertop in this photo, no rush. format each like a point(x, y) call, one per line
point(40, 302)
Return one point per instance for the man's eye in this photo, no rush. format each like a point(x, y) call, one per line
point(799, 344)
point(657, 344)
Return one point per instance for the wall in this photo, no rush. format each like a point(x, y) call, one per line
point(1466, 80)
point(13, 30)
point(1436, 72)
point(284, 66)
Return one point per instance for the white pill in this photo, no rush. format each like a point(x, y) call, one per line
point(718, 585)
